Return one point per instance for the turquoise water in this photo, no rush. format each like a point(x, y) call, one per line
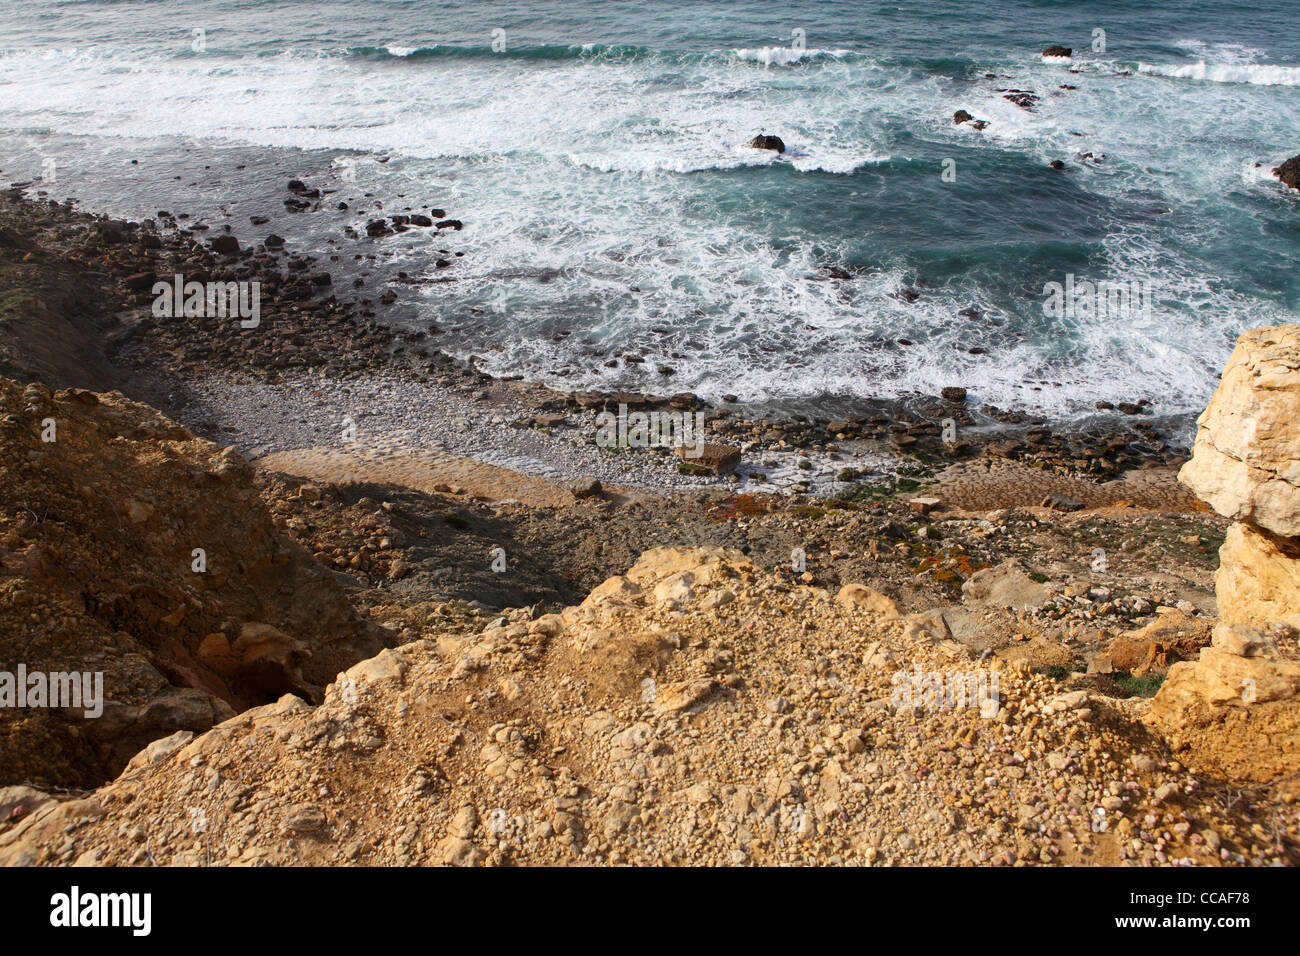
point(596, 152)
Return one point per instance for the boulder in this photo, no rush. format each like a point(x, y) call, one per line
point(762, 141)
point(1057, 502)
point(721, 459)
point(1169, 638)
point(1289, 172)
point(1007, 585)
point(863, 598)
point(1246, 460)
point(961, 116)
point(586, 488)
point(1057, 50)
point(1025, 99)
point(226, 245)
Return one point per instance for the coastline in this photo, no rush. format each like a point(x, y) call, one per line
point(318, 347)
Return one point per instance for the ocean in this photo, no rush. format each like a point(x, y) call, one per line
point(597, 154)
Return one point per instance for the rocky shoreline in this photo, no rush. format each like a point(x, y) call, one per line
point(313, 337)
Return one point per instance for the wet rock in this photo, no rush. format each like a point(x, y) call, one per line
point(1025, 99)
point(1289, 172)
point(226, 245)
point(763, 141)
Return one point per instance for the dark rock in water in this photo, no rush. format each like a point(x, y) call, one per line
point(979, 124)
point(419, 220)
point(1129, 408)
point(762, 141)
point(377, 227)
point(1025, 99)
point(961, 116)
point(731, 399)
point(1289, 172)
point(296, 205)
point(259, 220)
point(388, 297)
point(274, 242)
point(226, 245)
point(299, 188)
point(438, 213)
point(451, 224)
point(1104, 406)
point(321, 278)
point(953, 393)
point(1056, 164)
point(908, 295)
point(1055, 50)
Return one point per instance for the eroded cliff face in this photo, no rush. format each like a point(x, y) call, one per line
point(1236, 710)
point(131, 548)
point(1246, 461)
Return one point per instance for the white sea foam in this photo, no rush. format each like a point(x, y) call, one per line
point(1258, 74)
point(1221, 52)
point(784, 55)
